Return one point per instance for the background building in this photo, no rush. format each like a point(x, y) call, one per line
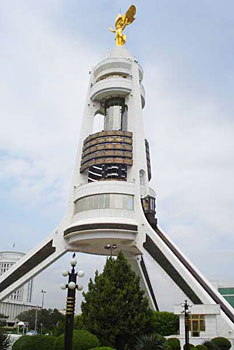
point(228, 294)
point(21, 299)
point(204, 323)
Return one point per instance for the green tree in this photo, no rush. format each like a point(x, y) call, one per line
point(115, 309)
point(3, 319)
point(48, 318)
point(4, 340)
point(166, 323)
point(78, 322)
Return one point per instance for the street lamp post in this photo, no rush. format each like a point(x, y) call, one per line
point(111, 247)
point(186, 322)
point(71, 287)
point(43, 298)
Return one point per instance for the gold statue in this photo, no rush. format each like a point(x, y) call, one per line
point(120, 24)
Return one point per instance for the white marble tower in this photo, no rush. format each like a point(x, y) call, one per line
point(111, 201)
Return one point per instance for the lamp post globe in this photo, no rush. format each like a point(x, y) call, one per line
point(63, 286)
point(81, 273)
point(80, 287)
point(73, 261)
point(71, 285)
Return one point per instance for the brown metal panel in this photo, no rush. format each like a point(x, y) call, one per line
point(107, 139)
point(100, 161)
point(104, 154)
point(108, 133)
point(107, 146)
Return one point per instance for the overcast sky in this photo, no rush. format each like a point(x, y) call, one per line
point(186, 50)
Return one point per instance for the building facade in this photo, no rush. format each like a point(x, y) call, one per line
point(228, 294)
point(20, 300)
point(204, 324)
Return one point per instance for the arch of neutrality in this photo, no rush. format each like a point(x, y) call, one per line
point(111, 201)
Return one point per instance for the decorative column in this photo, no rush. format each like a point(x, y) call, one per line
point(186, 323)
point(70, 305)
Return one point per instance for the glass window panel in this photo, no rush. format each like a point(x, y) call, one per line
point(107, 200)
point(125, 202)
point(101, 201)
point(195, 326)
point(195, 334)
point(104, 201)
point(84, 204)
point(119, 201)
point(202, 325)
point(94, 202)
point(114, 199)
point(130, 202)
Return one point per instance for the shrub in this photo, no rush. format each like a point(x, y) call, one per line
point(173, 344)
point(150, 342)
point(103, 348)
point(36, 342)
point(209, 345)
point(201, 347)
point(221, 343)
point(191, 347)
point(4, 340)
point(82, 340)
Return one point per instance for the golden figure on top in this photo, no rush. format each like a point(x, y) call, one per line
point(120, 24)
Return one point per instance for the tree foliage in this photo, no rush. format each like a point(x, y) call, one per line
point(3, 319)
point(37, 342)
point(191, 347)
point(115, 308)
point(222, 343)
point(210, 345)
point(48, 318)
point(4, 340)
point(103, 348)
point(150, 342)
point(166, 323)
point(201, 347)
point(174, 344)
point(82, 340)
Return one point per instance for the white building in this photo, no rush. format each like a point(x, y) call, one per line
point(205, 323)
point(20, 300)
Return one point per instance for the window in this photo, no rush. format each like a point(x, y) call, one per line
point(104, 201)
point(197, 324)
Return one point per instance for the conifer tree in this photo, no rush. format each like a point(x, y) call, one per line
point(115, 308)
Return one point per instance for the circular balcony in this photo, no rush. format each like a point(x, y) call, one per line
point(111, 86)
point(92, 236)
point(111, 66)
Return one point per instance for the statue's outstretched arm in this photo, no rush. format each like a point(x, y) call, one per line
point(112, 30)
